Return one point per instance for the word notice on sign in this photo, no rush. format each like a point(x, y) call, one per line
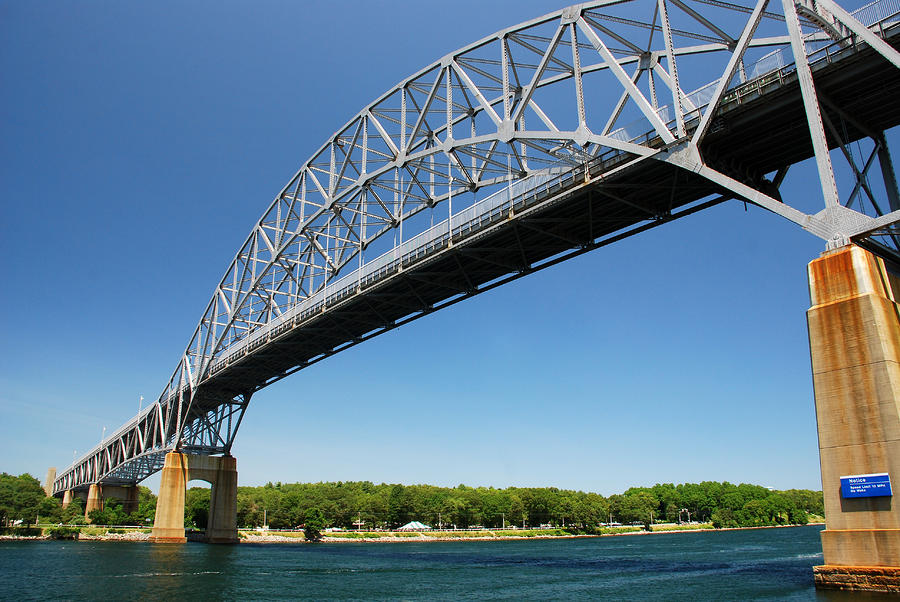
point(866, 485)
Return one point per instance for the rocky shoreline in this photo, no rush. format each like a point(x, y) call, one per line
point(273, 538)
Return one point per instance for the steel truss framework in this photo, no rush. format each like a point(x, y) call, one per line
point(560, 105)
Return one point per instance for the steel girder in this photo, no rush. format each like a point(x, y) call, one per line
point(596, 84)
point(137, 449)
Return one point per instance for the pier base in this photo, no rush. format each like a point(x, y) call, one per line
point(858, 578)
point(67, 498)
point(854, 337)
point(179, 468)
point(222, 525)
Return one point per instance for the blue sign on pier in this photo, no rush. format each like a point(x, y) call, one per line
point(866, 485)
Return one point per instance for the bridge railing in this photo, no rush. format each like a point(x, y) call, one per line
point(766, 69)
point(409, 251)
point(516, 195)
point(877, 12)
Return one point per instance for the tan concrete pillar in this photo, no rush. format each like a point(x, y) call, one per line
point(132, 499)
point(222, 525)
point(48, 483)
point(67, 498)
point(168, 525)
point(127, 494)
point(180, 468)
point(854, 336)
point(94, 500)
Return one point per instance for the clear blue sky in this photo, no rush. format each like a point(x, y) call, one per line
point(140, 143)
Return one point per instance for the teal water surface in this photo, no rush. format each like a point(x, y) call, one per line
point(773, 564)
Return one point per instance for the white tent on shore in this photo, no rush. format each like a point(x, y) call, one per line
point(414, 526)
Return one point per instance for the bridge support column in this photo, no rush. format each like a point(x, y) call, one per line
point(854, 336)
point(67, 498)
point(179, 468)
point(222, 525)
point(127, 494)
point(132, 500)
point(168, 524)
point(94, 500)
point(48, 482)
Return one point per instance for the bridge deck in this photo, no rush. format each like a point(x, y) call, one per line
point(765, 116)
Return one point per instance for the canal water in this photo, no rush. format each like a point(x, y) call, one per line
point(766, 564)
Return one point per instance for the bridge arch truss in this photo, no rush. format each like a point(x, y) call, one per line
point(568, 106)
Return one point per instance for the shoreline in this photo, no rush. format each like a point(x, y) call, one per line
point(428, 538)
point(421, 538)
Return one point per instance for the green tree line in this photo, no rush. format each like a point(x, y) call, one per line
point(344, 504)
point(23, 498)
point(724, 504)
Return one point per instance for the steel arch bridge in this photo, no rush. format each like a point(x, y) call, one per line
point(540, 142)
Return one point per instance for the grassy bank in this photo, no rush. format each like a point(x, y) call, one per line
point(673, 527)
point(483, 534)
point(254, 536)
point(72, 532)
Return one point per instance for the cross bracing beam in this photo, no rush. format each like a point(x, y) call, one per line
point(548, 138)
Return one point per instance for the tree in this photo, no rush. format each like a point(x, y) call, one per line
point(19, 497)
point(453, 511)
point(595, 510)
point(112, 513)
point(343, 503)
point(798, 516)
point(146, 510)
point(635, 506)
point(516, 513)
point(723, 518)
point(73, 514)
point(196, 507)
point(755, 513)
point(50, 510)
point(315, 522)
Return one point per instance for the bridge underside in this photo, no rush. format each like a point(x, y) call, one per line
point(771, 133)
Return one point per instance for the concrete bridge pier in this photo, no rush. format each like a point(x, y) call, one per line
point(854, 339)
point(94, 500)
point(179, 468)
point(48, 481)
point(67, 498)
point(127, 494)
point(222, 524)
